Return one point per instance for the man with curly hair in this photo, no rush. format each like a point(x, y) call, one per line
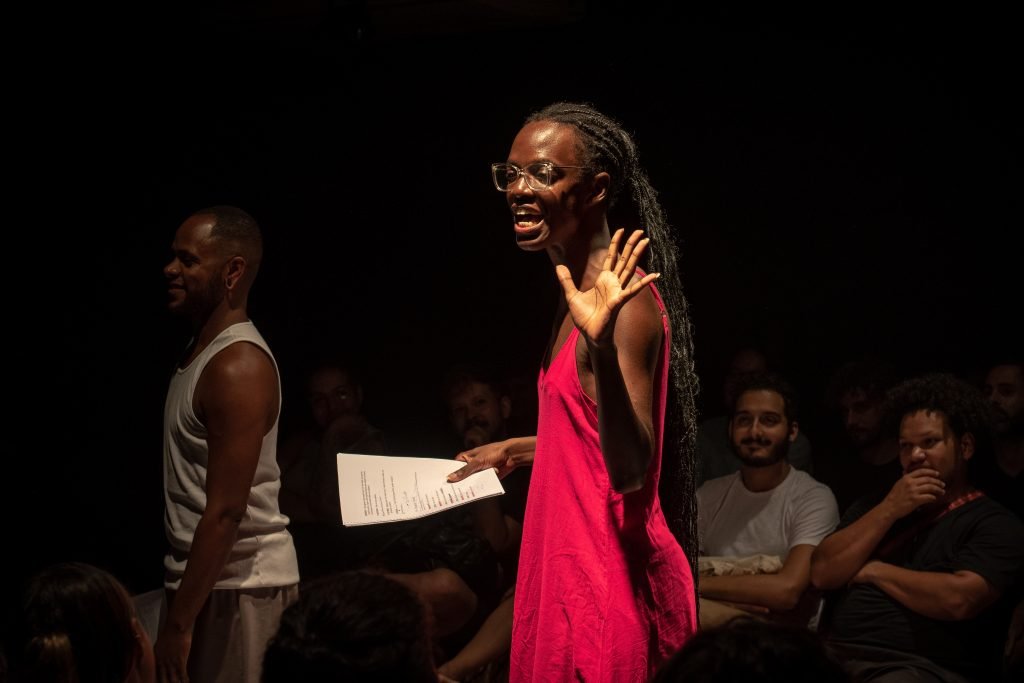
point(924, 571)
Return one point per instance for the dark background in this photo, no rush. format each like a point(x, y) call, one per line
point(841, 184)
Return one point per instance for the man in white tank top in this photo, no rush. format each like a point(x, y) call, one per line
point(231, 567)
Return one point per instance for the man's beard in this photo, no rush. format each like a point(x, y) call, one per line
point(202, 303)
point(477, 433)
point(774, 455)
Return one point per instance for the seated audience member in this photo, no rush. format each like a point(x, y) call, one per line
point(438, 557)
point(353, 626)
point(77, 624)
point(480, 408)
point(715, 455)
point(924, 571)
point(747, 650)
point(309, 474)
point(768, 508)
point(309, 468)
point(867, 462)
point(1001, 477)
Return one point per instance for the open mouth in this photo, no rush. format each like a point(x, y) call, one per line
point(527, 226)
point(526, 220)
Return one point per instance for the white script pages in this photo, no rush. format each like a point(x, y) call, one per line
point(375, 489)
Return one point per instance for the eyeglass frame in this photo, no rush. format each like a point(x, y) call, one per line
point(523, 172)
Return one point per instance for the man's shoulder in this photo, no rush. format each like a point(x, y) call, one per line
point(239, 359)
point(717, 487)
point(239, 371)
point(987, 539)
point(987, 512)
point(803, 484)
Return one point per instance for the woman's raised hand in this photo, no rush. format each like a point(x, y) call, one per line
point(594, 310)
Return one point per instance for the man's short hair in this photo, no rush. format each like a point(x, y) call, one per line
point(770, 381)
point(232, 223)
point(236, 227)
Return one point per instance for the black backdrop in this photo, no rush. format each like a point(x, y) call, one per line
point(839, 184)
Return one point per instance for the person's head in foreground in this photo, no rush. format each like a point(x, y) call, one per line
point(752, 651)
point(353, 626)
point(77, 624)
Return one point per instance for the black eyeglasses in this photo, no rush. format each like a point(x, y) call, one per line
point(538, 176)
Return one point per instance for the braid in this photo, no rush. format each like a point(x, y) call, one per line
point(603, 145)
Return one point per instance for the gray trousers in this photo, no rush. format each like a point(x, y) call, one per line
point(232, 631)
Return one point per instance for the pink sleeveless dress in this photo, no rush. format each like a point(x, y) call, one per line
point(604, 592)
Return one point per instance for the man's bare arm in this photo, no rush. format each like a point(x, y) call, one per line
point(237, 399)
point(778, 592)
point(952, 596)
point(841, 555)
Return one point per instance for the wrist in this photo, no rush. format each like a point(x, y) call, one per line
point(509, 450)
point(869, 573)
point(518, 450)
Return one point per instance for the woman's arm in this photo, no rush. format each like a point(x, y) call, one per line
point(623, 343)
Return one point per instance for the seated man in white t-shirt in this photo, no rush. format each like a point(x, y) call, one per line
point(763, 522)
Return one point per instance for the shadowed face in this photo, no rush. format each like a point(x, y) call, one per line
point(862, 416)
point(759, 430)
point(333, 394)
point(1004, 388)
point(478, 413)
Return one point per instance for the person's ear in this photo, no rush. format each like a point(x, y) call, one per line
point(967, 445)
point(600, 185)
point(235, 269)
point(506, 407)
point(794, 430)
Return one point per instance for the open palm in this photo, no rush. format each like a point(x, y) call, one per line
point(594, 310)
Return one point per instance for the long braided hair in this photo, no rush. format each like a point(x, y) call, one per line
point(604, 145)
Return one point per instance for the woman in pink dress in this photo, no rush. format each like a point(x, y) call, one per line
point(604, 591)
